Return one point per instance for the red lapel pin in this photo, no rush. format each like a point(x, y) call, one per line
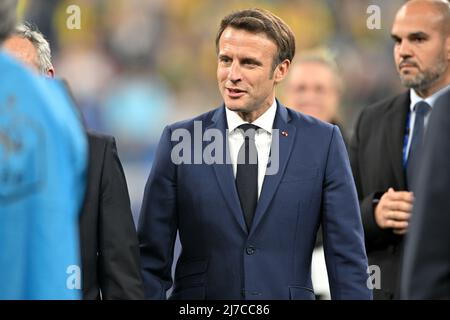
point(284, 133)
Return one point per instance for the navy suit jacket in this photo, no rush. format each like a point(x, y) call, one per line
point(220, 258)
point(426, 262)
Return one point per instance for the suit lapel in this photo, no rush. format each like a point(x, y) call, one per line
point(224, 172)
point(287, 134)
point(395, 134)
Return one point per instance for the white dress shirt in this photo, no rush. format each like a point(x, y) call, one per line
point(263, 139)
point(431, 100)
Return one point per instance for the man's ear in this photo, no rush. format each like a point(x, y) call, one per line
point(51, 73)
point(281, 70)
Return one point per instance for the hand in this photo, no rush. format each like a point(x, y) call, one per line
point(394, 210)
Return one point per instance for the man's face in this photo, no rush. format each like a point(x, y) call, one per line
point(312, 88)
point(245, 71)
point(420, 51)
point(23, 50)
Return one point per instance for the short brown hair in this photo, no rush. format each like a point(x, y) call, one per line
point(262, 21)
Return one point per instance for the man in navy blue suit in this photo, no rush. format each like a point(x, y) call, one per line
point(426, 262)
point(248, 184)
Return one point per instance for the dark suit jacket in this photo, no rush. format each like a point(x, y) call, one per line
point(376, 153)
point(426, 264)
point(108, 241)
point(220, 258)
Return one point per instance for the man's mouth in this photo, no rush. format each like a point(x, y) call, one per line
point(407, 65)
point(235, 92)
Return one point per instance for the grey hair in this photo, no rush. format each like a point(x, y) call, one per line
point(44, 54)
point(7, 18)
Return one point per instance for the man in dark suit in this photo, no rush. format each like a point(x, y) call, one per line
point(248, 203)
point(426, 263)
point(387, 139)
point(108, 240)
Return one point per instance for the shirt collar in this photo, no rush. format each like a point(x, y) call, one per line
point(265, 121)
point(415, 98)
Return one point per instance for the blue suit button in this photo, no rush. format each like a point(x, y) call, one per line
point(250, 250)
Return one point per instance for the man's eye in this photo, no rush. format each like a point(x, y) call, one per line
point(301, 89)
point(250, 64)
point(320, 89)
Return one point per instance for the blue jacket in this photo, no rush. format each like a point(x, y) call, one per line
point(42, 182)
point(220, 259)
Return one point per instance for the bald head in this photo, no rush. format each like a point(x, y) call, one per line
point(421, 32)
point(437, 12)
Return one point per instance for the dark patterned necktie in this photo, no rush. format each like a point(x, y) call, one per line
point(247, 173)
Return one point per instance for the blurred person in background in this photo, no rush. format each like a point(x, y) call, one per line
point(247, 233)
point(426, 262)
point(388, 138)
point(43, 156)
point(314, 87)
point(108, 241)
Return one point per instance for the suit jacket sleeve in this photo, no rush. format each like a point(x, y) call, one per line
point(375, 237)
point(342, 228)
point(426, 264)
point(158, 222)
point(119, 272)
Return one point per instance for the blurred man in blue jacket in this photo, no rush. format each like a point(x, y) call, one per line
point(42, 182)
point(108, 243)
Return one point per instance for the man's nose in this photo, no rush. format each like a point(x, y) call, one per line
point(404, 49)
point(234, 74)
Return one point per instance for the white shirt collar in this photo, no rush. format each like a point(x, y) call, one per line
point(415, 98)
point(265, 121)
